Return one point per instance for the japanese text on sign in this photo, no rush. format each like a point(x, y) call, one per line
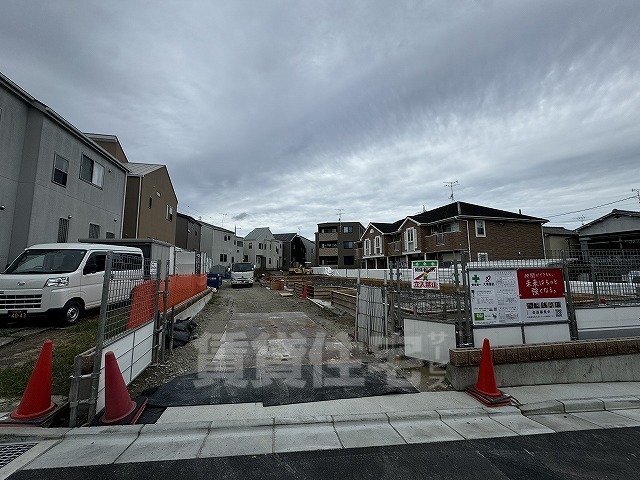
point(425, 275)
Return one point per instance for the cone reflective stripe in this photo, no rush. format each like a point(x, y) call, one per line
point(36, 400)
point(486, 389)
point(118, 403)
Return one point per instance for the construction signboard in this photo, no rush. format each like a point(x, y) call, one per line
point(515, 296)
point(425, 275)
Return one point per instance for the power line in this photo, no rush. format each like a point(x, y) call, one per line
point(591, 208)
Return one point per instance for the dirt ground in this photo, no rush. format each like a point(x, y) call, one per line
point(211, 322)
point(213, 319)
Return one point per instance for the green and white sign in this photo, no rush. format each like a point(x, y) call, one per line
point(425, 275)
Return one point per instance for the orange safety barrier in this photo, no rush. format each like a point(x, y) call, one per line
point(181, 288)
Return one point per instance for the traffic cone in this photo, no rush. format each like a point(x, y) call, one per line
point(119, 408)
point(304, 292)
point(36, 400)
point(485, 388)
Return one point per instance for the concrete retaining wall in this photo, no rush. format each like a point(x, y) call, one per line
point(568, 362)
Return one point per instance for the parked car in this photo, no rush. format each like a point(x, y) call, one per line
point(62, 280)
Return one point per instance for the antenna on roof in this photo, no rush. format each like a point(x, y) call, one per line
point(339, 213)
point(451, 185)
point(223, 215)
point(581, 218)
point(637, 193)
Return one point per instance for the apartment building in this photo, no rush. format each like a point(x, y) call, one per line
point(337, 243)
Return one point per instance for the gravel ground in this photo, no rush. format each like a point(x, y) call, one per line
point(212, 320)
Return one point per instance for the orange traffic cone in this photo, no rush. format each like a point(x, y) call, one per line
point(486, 389)
point(36, 400)
point(304, 292)
point(119, 408)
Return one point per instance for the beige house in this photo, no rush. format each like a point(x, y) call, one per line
point(150, 200)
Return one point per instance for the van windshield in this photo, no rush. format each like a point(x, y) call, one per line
point(46, 261)
point(241, 267)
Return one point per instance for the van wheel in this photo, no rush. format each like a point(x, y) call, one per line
point(71, 313)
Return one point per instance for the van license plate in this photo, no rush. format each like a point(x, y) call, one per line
point(17, 314)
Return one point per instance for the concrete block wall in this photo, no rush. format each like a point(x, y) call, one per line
point(568, 362)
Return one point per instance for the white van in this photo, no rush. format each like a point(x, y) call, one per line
point(242, 274)
point(62, 280)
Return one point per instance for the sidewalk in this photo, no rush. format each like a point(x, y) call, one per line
point(251, 429)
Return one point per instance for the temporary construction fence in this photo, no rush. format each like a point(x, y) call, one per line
point(135, 316)
point(601, 293)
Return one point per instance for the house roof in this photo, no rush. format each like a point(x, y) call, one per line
point(614, 213)
point(558, 231)
point(387, 227)
point(214, 227)
point(469, 210)
point(142, 169)
point(285, 237)
point(257, 233)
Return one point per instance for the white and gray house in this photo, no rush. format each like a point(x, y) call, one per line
point(56, 184)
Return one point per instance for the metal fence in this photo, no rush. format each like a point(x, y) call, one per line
point(136, 295)
point(371, 316)
point(600, 277)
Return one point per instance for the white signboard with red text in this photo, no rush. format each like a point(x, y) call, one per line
point(515, 296)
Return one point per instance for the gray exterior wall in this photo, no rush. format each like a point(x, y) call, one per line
point(31, 137)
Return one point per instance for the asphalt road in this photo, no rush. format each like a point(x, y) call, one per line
point(592, 454)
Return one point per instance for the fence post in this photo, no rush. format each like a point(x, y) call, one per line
point(573, 324)
point(157, 327)
point(456, 280)
point(466, 299)
point(102, 320)
point(165, 299)
point(76, 377)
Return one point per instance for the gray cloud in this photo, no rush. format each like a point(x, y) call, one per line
point(281, 112)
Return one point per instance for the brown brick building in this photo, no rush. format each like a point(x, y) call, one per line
point(443, 233)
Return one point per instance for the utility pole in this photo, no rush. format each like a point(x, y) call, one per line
point(451, 185)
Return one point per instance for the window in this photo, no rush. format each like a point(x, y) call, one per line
point(60, 170)
point(347, 229)
point(95, 263)
point(483, 257)
point(377, 245)
point(223, 257)
point(91, 171)
point(110, 235)
point(367, 247)
point(63, 230)
point(330, 244)
point(170, 213)
point(150, 201)
point(410, 239)
point(349, 260)
point(439, 238)
point(347, 244)
point(94, 230)
point(239, 243)
point(328, 230)
point(269, 260)
point(480, 230)
point(250, 246)
point(451, 227)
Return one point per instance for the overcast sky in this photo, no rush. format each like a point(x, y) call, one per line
point(284, 113)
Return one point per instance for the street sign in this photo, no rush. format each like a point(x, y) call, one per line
point(425, 275)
